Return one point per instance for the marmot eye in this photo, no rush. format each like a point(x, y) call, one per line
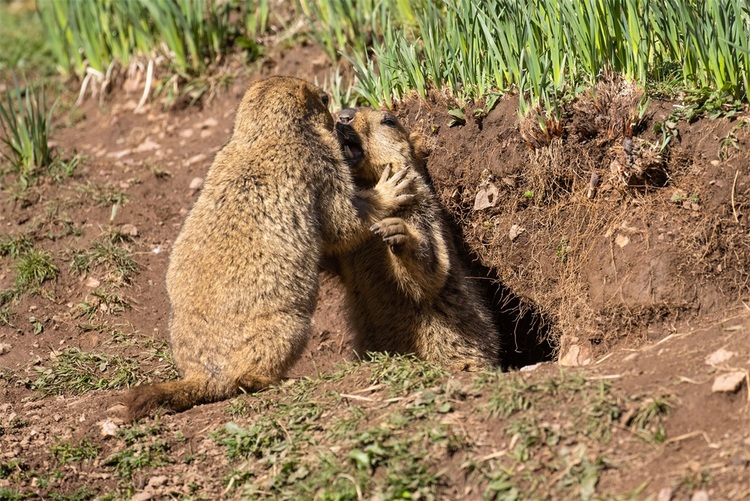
point(325, 99)
point(389, 121)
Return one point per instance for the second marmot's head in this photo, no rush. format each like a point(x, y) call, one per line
point(280, 105)
point(373, 139)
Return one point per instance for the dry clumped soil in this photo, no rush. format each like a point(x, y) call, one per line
point(624, 316)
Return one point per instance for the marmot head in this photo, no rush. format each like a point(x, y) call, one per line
point(373, 139)
point(278, 104)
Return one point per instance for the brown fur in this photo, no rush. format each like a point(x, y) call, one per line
point(407, 290)
point(243, 272)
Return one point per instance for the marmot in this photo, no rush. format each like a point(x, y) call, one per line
point(243, 273)
point(407, 290)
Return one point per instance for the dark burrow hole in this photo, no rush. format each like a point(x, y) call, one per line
point(524, 332)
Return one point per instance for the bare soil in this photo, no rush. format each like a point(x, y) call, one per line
point(632, 290)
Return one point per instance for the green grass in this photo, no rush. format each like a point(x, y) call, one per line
point(33, 268)
point(65, 451)
point(25, 121)
point(23, 40)
point(73, 371)
point(110, 253)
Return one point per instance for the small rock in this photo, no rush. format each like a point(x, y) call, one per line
point(700, 496)
point(515, 232)
point(719, 356)
point(147, 145)
point(209, 122)
point(108, 428)
point(729, 382)
point(4, 348)
point(142, 496)
point(196, 184)
point(486, 197)
point(575, 356)
point(206, 133)
point(184, 212)
point(92, 283)
point(186, 133)
point(157, 481)
point(530, 368)
point(195, 159)
point(622, 240)
point(119, 154)
point(129, 230)
point(715, 163)
point(665, 494)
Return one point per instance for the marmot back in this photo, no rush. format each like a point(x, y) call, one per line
point(243, 272)
point(407, 290)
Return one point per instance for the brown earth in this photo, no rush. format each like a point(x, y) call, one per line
point(638, 284)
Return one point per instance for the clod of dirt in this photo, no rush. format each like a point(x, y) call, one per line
point(4, 348)
point(719, 356)
point(729, 382)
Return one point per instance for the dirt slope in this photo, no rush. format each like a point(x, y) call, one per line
point(641, 285)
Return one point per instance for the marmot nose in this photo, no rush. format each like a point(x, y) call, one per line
point(347, 115)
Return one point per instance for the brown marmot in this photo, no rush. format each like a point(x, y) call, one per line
point(243, 272)
point(407, 290)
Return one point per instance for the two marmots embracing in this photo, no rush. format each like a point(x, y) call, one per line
point(279, 199)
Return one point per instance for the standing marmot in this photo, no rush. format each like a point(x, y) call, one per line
point(243, 272)
point(409, 294)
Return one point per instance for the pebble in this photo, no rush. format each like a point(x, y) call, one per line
point(700, 496)
point(119, 154)
point(108, 428)
point(129, 230)
point(92, 283)
point(157, 481)
point(575, 356)
point(486, 197)
point(719, 356)
point(196, 184)
point(194, 160)
point(515, 232)
point(664, 494)
point(4, 348)
point(186, 133)
point(728, 382)
point(209, 122)
point(142, 496)
point(147, 145)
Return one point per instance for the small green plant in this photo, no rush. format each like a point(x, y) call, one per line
point(528, 194)
point(75, 371)
point(33, 269)
point(25, 122)
point(66, 452)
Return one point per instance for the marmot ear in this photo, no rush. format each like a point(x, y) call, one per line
point(421, 150)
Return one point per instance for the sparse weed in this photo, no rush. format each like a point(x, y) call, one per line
point(25, 122)
point(66, 452)
point(75, 371)
point(34, 268)
point(138, 457)
point(15, 245)
point(404, 373)
point(108, 253)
